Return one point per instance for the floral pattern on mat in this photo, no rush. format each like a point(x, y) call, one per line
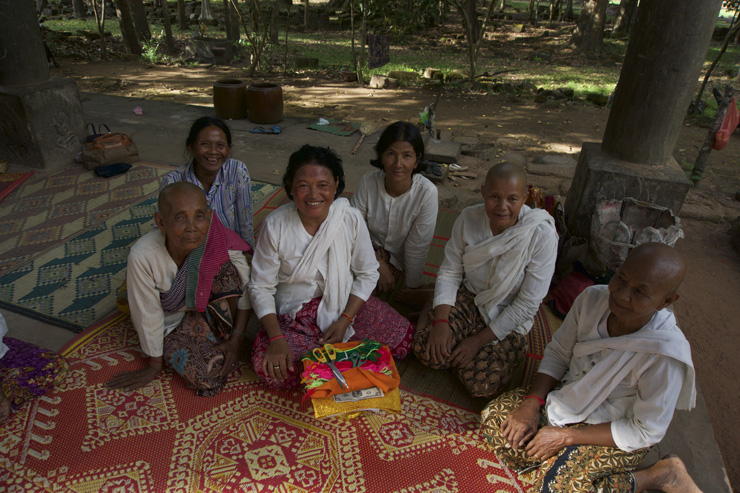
point(248, 438)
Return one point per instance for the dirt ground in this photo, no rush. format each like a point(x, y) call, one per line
point(708, 310)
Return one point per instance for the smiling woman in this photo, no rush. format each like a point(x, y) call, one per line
point(313, 272)
point(224, 181)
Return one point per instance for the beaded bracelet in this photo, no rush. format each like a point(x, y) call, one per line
point(441, 320)
point(540, 399)
point(281, 336)
point(351, 320)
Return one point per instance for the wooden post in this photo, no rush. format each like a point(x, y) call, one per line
point(701, 160)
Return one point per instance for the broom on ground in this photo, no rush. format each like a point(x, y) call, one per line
point(366, 128)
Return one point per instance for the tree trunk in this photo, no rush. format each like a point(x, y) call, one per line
point(552, 11)
point(274, 24)
point(41, 5)
point(532, 10)
point(502, 6)
point(168, 41)
point(100, 21)
point(182, 18)
point(78, 8)
point(567, 14)
point(589, 35)
point(128, 31)
point(627, 9)
point(701, 160)
point(234, 18)
point(471, 14)
point(141, 24)
point(305, 14)
point(227, 20)
point(205, 10)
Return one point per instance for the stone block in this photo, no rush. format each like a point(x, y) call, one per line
point(442, 151)
point(43, 125)
point(481, 151)
point(600, 177)
point(383, 82)
point(202, 49)
point(562, 171)
point(403, 75)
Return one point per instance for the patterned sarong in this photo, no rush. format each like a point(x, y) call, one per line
point(494, 365)
point(190, 348)
point(28, 371)
point(376, 320)
point(578, 469)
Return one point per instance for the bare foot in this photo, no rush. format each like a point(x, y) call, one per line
point(668, 474)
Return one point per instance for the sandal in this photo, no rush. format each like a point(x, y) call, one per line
point(262, 130)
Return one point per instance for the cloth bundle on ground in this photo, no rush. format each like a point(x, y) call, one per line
point(108, 148)
point(377, 370)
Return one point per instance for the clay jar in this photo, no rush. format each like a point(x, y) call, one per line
point(265, 103)
point(230, 99)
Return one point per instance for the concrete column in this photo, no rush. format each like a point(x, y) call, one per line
point(22, 54)
point(659, 75)
point(42, 124)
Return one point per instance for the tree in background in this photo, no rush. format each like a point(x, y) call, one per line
point(474, 31)
point(182, 20)
point(169, 43)
point(78, 9)
point(128, 32)
point(626, 16)
point(141, 24)
point(589, 34)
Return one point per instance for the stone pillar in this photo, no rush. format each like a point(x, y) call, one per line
point(42, 124)
point(663, 61)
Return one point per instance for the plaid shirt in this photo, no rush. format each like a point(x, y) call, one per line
point(229, 197)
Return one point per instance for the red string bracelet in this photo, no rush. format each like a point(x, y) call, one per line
point(351, 320)
point(441, 320)
point(281, 336)
point(540, 399)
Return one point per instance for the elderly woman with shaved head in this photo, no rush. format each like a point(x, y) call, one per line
point(187, 294)
point(607, 387)
point(497, 268)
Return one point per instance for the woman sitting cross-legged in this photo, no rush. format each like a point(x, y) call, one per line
point(313, 272)
point(497, 268)
point(400, 207)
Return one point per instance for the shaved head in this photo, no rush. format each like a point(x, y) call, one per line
point(173, 192)
point(507, 172)
point(663, 263)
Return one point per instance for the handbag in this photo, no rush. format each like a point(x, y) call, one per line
point(92, 135)
point(109, 148)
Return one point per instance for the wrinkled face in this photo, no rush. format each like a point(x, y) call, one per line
point(635, 294)
point(503, 199)
point(399, 161)
point(184, 221)
point(313, 191)
point(210, 149)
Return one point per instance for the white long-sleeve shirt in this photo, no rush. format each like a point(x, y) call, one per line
point(151, 271)
point(403, 225)
point(280, 247)
point(634, 382)
point(516, 311)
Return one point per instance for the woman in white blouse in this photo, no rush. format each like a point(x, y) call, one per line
point(400, 207)
point(313, 272)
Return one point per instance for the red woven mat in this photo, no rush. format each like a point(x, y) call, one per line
point(82, 437)
point(10, 181)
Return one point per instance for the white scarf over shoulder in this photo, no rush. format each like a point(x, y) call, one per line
point(508, 255)
point(330, 240)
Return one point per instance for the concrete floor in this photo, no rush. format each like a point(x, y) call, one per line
point(160, 135)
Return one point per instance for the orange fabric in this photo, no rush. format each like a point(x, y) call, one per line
point(357, 378)
point(729, 124)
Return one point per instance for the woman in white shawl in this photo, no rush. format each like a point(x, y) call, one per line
point(313, 272)
point(497, 268)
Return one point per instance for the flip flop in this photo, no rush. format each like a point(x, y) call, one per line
point(262, 130)
point(432, 168)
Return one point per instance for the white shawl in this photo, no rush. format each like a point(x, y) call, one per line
point(590, 391)
point(332, 240)
point(508, 255)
